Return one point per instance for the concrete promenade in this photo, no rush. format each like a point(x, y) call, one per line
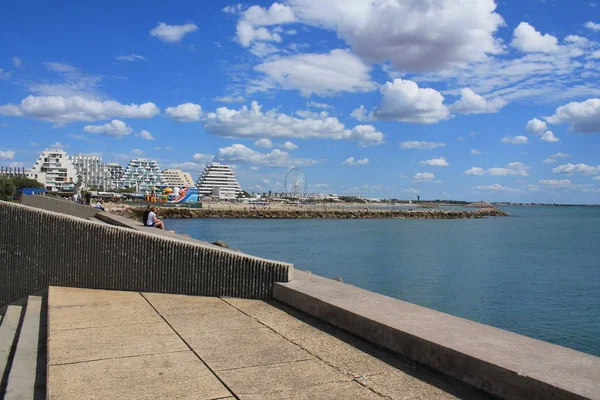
point(131, 345)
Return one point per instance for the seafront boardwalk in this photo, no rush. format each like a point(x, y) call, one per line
point(131, 345)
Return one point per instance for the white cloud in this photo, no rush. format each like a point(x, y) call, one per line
point(6, 155)
point(472, 103)
point(319, 105)
point(114, 128)
point(478, 171)
point(548, 136)
point(352, 161)
point(592, 26)
point(203, 158)
point(476, 152)
point(583, 117)
point(536, 127)
point(61, 110)
point(360, 114)
point(411, 191)
point(276, 158)
point(187, 112)
point(596, 178)
point(137, 152)
point(57, 145)
point(421, 145)
point(404, 101)
point(254, 123)
point(495, 188)
point(514, 140)
point(17, 61)
point(251, 24)
point(560, 155)
point(424, 176)
point(230, 99)
point(435, 162)
point(511, 169)
point(577, 169)
point(131, 58)
point(321, 74)
point(266, 143)
point(289, 146)
point(188, 166)
point(172, 33)
point(412, 35)
point(144, 134)
point(528, 40)
point(549, 160)
point(556, 184)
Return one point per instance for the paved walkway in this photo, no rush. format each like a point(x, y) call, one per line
point(130, 345)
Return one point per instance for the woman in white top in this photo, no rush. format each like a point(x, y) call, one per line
point(153, 219)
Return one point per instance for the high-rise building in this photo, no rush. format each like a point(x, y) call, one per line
point(142, 174)
point(219, 181)
point(115, 174)
point(91, 172)
point(55, 170)
point(176, 177)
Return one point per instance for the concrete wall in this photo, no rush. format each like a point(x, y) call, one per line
point(51, 203)
point(499, 362)
point(40, 248)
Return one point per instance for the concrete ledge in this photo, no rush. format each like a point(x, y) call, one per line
point(51, 203)
point(499, 362)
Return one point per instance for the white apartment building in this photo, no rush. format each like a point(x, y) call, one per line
point(142, 174)
point(219, 181)
point(55, 170)
point(115, 174)
point(176, 177)
point(91, 172)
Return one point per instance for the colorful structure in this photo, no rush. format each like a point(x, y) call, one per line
point(173, 195)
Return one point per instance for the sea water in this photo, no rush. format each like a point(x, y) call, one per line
point(536, 273)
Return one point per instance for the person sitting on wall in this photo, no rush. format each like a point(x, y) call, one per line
point(99, 205)
point(88, 198)
point(153, 219)
point(146, 213)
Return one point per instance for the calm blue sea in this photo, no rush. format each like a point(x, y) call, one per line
point(536, 273)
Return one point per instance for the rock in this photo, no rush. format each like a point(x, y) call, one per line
point(221, 243)
point(339, 279)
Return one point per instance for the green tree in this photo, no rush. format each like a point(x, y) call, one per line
point(7, 188)
point(22, 182)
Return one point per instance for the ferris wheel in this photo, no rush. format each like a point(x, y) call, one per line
point(295, 183)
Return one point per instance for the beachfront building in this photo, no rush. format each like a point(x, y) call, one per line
point(91, 172)
point(141, 174)
point(115, 174)
point(55, 170)
point(13, 171)
point(176, 177)
point(218, 180)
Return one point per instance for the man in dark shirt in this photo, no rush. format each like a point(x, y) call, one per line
point(145, 217)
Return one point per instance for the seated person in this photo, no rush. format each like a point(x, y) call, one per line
point(99, 205)
point(153, 219)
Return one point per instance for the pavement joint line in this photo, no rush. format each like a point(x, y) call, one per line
point(105, 326)
point(191, 349)
point(294, 343)
point(372, 389)
point(265, 365)
point(314, 355)
point(117, 358)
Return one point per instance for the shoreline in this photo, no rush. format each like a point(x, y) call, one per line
point(237, 211)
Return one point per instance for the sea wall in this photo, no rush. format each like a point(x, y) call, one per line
point(167, 212)
point(40, 248)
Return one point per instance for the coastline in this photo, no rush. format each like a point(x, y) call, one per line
point(291, 212)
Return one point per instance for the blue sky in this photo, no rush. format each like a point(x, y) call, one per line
point(383, 98)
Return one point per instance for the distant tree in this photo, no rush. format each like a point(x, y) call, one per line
point(7, 188)
point(22, 182)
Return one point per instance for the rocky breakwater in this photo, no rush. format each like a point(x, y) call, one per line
point(137, 212)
